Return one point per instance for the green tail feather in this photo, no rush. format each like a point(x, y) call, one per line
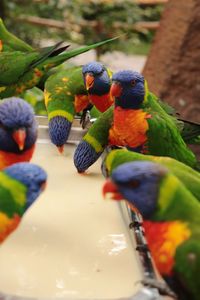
point(191, 132)
point(63, 57)
point(193, 141)
point(10, 39)
point(48, 52)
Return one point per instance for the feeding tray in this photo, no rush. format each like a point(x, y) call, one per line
point(72, 244)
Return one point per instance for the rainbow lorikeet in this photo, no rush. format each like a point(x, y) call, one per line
point(137, 122)
point(20, 71)
point(9, 42)
point(188, 176)
point(23, 70)
point(189, 130)
point(71, 91)
point(20, 186)
point(97, 81)
point(18, 131)
point(171, 217)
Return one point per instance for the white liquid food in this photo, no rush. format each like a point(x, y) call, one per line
point(71, 243)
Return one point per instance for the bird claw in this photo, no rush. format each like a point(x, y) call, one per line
point(135, 224)
point(142, 248)
point(85, 119)
point(163, 289)
point(104, 169)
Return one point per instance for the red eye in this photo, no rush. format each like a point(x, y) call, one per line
point(133, 82)
point(134, 184)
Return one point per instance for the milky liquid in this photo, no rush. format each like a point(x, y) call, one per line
point(71, 243)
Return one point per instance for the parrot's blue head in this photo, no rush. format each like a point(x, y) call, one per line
point(18, 127)
point(30, 175)
point(59, 129)
point(128, 89)
point(137, 182)
point(96, 78)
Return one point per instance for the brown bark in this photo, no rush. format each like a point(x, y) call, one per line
point(173, 66)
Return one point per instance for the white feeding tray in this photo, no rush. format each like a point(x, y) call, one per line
point(71, 244)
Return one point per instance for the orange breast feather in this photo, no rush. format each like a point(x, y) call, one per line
point(163, 239)
point(80, 102)
point(129, 127)
point(7, 225)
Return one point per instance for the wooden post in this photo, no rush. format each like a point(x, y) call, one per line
point(173, 65)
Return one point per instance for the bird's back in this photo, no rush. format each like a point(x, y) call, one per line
point(13, 65)
point(164, 138)
point(61, 89)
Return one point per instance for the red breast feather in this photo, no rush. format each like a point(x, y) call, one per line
point(9, 158)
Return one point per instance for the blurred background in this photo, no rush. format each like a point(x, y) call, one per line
point(158, 37)
point(85, 21)
point(43, 22)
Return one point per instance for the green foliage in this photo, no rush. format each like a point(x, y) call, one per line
point(87, 21)
point(28, 32)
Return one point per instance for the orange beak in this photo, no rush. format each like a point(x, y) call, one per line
point(43, 186)
point(19, 137)
point(115, 89)
point(111, 188)
point(89, 81)
point(61, 149)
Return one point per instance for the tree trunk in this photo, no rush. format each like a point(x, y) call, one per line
point(173, 65)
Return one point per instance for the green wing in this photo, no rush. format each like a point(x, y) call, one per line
point(55, 61)
point(164, 139)
point(190, 131)
point(187, 264)
point(12, 196)
point(168, 109)
point(95, 113)
point(13, 65)
point(60, 91)
point(40, 67)
point(6, 48)
point(98, 134)
point(11, 42)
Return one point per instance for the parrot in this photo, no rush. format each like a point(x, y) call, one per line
point(188, 176)
point(137, 122)
point(20, 186)
point(71, 91)
point(23, 70)
point(189, 130)
point(18, 131)
point(171, 217)
point(9, 42)
point(20, 71)
point(97, 81)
